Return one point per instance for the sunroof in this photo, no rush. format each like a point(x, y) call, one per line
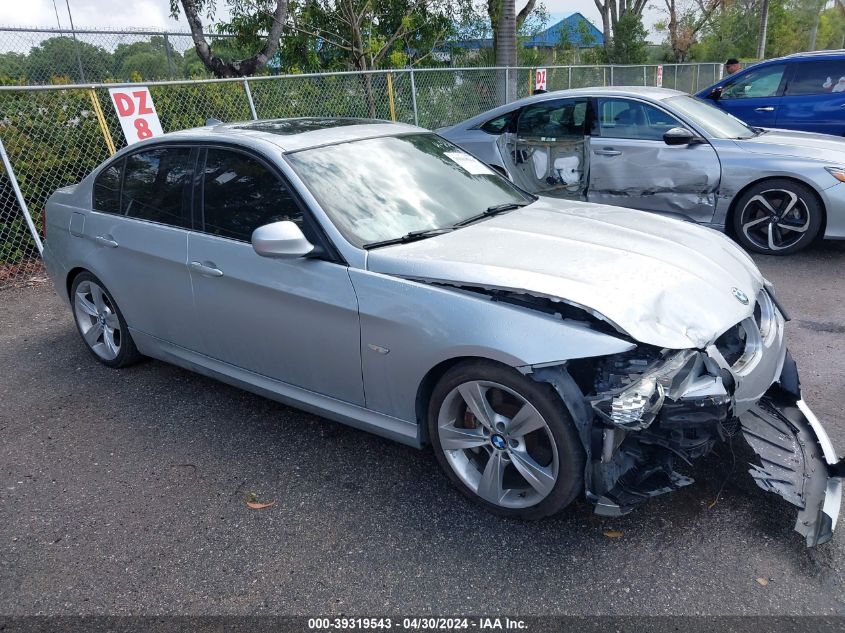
point(298, 126)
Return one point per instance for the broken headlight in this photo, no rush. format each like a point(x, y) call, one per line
point(635, 406)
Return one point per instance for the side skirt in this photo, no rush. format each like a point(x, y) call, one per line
point(310, 401)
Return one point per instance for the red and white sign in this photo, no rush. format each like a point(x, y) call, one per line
point(658, 77)
point(137, 114)
point(540, 79)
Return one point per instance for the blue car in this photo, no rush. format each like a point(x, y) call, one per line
point(805, 92)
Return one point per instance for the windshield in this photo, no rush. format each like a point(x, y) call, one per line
point(383, 188)
point(715, 122)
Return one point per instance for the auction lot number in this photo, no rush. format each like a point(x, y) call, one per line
point(416, 624)
point(136, 112)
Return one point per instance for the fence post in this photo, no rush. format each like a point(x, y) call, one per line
point(604, 75)
point(645, 79)
point(507, 85)
point(101, 119)
point(414, 97)
point(390, 100)
point(170, 65)
point(611, 76)
point(249, 99)
point(19, 196)
point(697, 77)
point(569, 84)
point(76, 47)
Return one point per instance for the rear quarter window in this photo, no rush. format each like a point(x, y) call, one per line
point(107, 188)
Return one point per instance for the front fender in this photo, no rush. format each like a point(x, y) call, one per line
point(409, 327)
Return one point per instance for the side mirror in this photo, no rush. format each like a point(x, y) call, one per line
point(716, 93)
point(281, 240)
point(679, 136)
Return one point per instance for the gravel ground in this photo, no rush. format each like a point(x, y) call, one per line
point(122, 492)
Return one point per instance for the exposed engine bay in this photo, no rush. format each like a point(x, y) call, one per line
point(643, 412)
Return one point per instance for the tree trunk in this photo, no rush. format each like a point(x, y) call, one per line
point(235, 68)
point(506, 50)
point(764, 28)
point(814, 32)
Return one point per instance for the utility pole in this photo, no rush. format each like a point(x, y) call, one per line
point(75, 43)
point(764, 27)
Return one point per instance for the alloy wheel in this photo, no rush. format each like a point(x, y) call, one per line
point(98, 320)
point(775, 219)
point(498, 444)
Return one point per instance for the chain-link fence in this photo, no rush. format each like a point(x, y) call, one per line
point(54, 137)
point(37, 56)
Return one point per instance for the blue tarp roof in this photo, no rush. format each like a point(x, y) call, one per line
point(571, 27)
point(570, 24)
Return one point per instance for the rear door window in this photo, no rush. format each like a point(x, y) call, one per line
point(818, 77)
point(155, 186)
point(240, 194)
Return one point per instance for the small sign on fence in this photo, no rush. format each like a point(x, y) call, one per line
point(658, 77)
point(137, 113)
point(540, 79)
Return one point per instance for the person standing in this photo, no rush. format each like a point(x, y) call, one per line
point(731, 66)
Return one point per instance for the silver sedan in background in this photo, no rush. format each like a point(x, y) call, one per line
point(378, 275)
point(661, 150)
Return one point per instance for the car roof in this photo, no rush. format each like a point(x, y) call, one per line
point(649, 92)
point(645, 92)
point(293, 134)
point(803, 56)
point(813, 54)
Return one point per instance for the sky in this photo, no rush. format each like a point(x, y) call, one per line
point(155, 14)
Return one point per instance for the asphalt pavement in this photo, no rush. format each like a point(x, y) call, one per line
point(124, 492)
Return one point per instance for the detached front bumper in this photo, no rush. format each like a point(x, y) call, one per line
point(797, 458)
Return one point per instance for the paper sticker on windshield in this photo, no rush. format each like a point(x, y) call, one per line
point(470, 163)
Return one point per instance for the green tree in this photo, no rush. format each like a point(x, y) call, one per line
point(612, 12)
point(13, 68)
point(57, 57)
point(153, 59)
point(628, 45)
point(733, 28)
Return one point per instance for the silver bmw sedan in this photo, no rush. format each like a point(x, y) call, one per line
point(378, 275)
point(654, 149)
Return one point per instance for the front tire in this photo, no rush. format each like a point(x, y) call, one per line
point(505, 441)
point(100, 322)
point(777, 217)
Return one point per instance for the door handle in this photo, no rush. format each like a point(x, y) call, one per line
point(765, 109)
point(105, 240)
point(208, 271)
point(607, 151)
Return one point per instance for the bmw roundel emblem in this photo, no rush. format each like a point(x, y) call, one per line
point(740, 296)
point(498, 442)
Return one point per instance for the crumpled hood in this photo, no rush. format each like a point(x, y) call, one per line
point(665, 282)
point(830, 149)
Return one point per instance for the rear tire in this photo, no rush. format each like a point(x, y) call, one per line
point(505, 441)
point(777, 217)
point(100, 323)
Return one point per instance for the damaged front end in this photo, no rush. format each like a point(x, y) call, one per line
point(642, 412)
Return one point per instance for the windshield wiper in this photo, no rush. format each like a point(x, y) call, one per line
point(490, 211)
point(413, 236)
